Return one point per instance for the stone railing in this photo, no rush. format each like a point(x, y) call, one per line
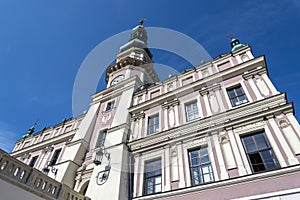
point(34, 181)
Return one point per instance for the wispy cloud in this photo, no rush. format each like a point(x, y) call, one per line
point(7, 138)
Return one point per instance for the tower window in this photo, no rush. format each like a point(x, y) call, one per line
point(200, 166)
point(259, 152)
point(191, 111)
point(237, 96)
point(153, 124)
point(102, 138)
point(33, 161)
point(153, 175)
point(55, 157)
point(110, 105)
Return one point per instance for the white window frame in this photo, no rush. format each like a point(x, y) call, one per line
point(241, 83)
point(148, 157)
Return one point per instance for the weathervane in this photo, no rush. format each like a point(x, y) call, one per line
point(230, 35)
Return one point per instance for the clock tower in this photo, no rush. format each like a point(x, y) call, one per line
point(134, 59)
point(101, 139)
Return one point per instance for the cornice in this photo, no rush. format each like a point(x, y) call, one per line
point(232, 118)
point(206, 90)
point(116, 90)
point(170, 103)
point(41, 145)
point(258, 71)
point(197, 85)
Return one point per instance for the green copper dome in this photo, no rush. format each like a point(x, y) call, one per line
point(235, 44)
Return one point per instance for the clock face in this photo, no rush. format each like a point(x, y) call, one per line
point(117, 79)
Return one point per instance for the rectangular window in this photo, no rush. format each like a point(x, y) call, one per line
point(153, 124)
point(191, 111)
point(68, 128)
point(153, 177)
point(237, 96)
point(55, 157)
point(33, 161)
point(110, 105)
point(200, 166)
point(101, 139)
point(259, 152)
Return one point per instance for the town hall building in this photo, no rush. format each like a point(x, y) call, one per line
point(218, 131)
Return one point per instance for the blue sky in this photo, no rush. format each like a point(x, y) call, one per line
point(43, 43)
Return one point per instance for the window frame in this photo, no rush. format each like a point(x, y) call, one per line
point(237, 96)
point(186, 112)
point(258, 151)
point(110, 105)
point(55, 157)
point(200, 166)
point(154, 125)
point(153, 177)
point(33, 161)
point(101, 138)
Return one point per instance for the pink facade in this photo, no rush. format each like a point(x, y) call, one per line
point(218, 131)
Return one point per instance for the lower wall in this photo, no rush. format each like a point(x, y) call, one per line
point(260, 186)
point(11, 192)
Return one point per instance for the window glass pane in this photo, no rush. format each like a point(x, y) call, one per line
point(237, 96)
point(231, 94)
point(260, 141)
point(257, 162)
point(207, 178)
point(239, 91)
point(157, 188)
point(195, 161)
point(158, 180)
point(153, 177)
point(249, 144)
point(196, 175)
point(201, 170)
point(269, 159)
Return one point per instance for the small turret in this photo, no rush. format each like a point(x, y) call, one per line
point(235, 44)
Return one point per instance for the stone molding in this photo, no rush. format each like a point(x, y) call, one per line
point(170, 103)
point(258, 71)
point(232, 119)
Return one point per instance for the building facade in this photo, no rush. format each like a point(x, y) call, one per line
point(218, 131)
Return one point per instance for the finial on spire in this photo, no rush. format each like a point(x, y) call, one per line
point(142, 21)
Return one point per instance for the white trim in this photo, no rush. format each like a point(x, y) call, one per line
point(241, 83)
point(255, 89)
point(203, 142)
point(294, 123)
point(220, 101)
point(243, 153)
point(207, 105)
point(189, 101)
point(236, 153)
point(180, 166)
point(274, 146)
point(147, 157)
point(291, 158)
point(269, 84)
point(272, 194)
point(224, 173)
point(167, 182)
